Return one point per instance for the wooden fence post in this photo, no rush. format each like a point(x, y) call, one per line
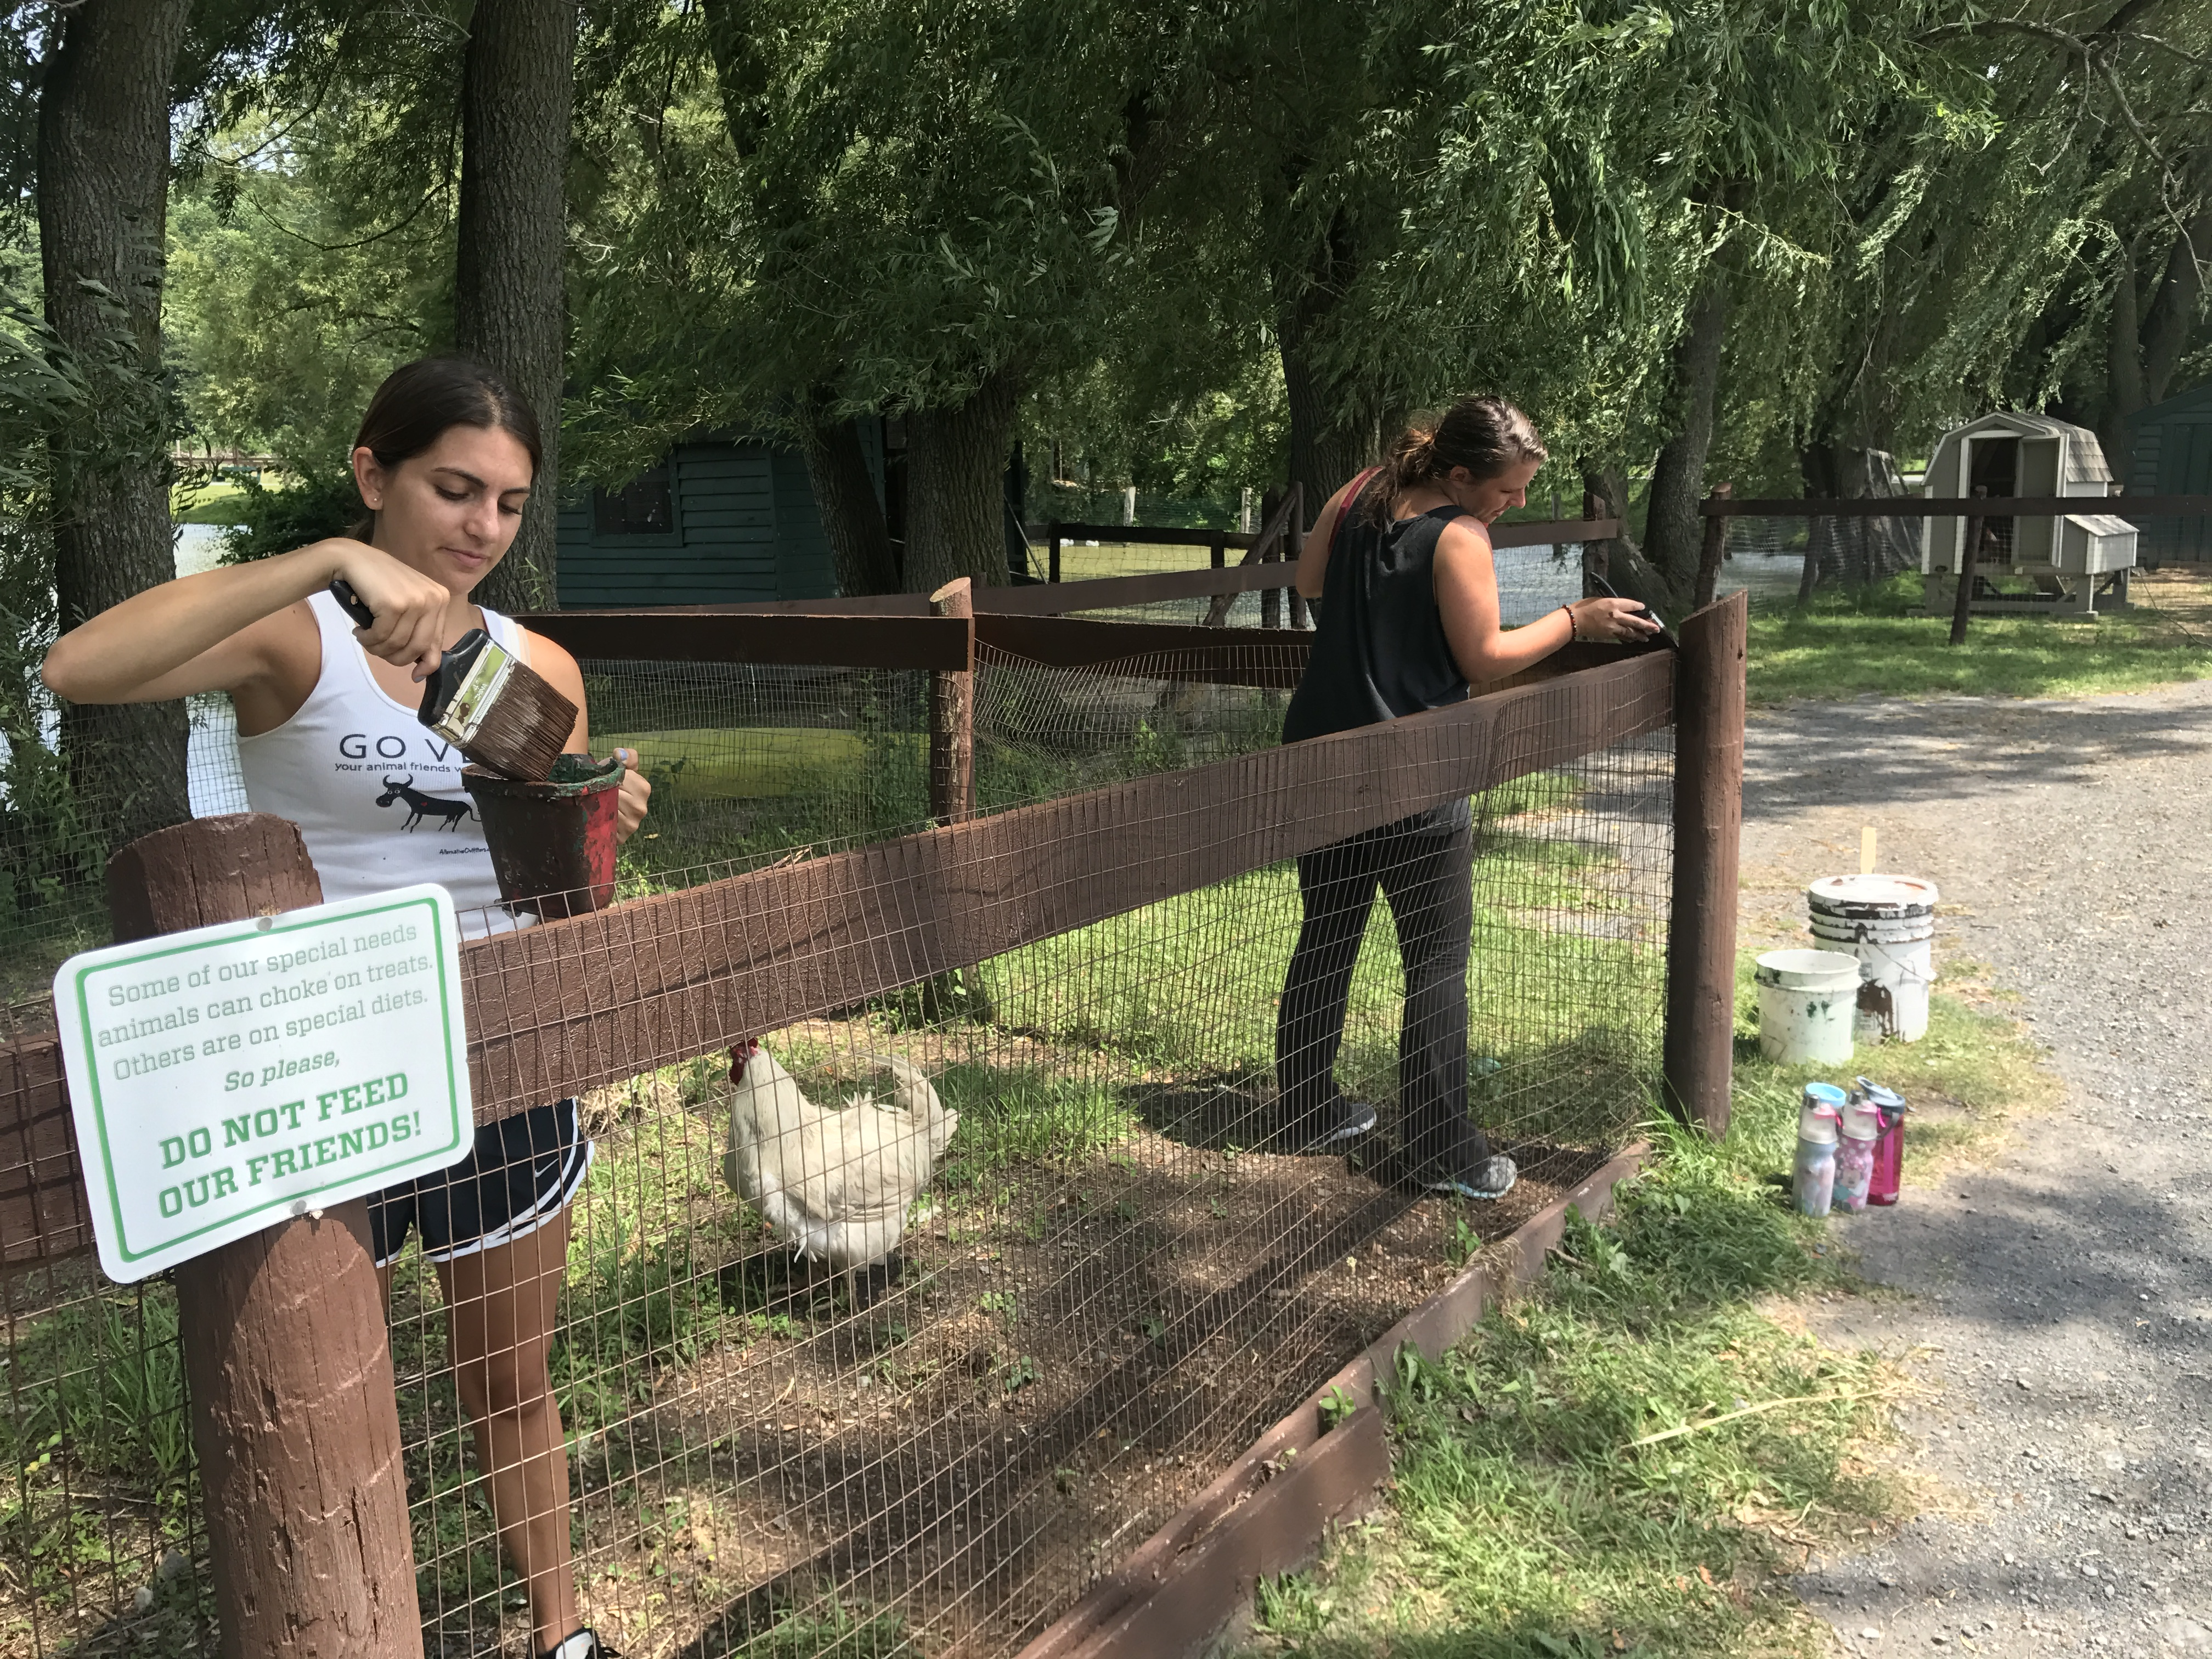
point(1597, 555)
point(1294, 549)
point(1052, 552)
point(1271, 598)
point(1708, 697)
point(285, 1346)
point(1711, 549)
point(952, 716)
point(1962, 601)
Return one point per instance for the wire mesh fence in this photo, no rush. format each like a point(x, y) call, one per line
point(946, 1225)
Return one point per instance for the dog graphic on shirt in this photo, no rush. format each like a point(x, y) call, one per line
point(421, 806)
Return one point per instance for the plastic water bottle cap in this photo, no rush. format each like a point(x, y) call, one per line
point(1862, 1121)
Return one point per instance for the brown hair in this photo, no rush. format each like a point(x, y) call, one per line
point(1485, 435)
point(420, 402)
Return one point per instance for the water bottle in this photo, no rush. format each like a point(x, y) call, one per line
point(1889, 1146)
point(1860, 1128)
point(1815, 1178)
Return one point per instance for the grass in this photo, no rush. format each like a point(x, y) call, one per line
point(1625, 1461)
point(1850, 644)
point(214, 503)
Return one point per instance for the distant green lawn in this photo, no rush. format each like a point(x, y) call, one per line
point(1843, 646)
point(216, 503)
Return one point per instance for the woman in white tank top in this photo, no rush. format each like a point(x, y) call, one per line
point(328, 738)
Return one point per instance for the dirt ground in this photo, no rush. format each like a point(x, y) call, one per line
point(2054, 1299)
point(1071, 1353)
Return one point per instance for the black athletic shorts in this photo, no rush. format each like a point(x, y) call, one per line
point(521, 1173)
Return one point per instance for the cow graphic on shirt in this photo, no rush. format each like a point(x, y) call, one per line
point(421, 806)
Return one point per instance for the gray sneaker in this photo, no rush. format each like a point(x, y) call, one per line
point(1330, 1130)
point(1492, 1178)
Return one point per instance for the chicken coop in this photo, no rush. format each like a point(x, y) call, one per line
point(942, 1251)
point(2071, 564)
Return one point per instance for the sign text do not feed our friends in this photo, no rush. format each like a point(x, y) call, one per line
point(229, 1077)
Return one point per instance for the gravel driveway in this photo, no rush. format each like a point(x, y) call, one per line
point(2057, 1299)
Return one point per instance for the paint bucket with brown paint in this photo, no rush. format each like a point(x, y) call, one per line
point(552, 843)
point(1888, 922)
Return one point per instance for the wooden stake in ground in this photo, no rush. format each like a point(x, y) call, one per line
point(952, 716)
point(293, 1418)
point(952, 787)
point(1709, 700)
point(1962, 602)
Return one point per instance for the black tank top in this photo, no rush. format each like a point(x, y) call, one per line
point(1379, 649)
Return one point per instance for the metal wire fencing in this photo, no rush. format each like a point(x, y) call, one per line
point(891, 1335)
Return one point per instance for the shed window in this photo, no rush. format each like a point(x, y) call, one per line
point(640, 508)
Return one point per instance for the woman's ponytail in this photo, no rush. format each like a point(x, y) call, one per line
point(1484, 435)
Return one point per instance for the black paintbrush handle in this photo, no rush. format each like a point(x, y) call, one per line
point(1608, 591)
point(350, 603)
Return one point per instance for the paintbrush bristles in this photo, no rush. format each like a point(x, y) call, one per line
point(491, 705)
point(526, 728)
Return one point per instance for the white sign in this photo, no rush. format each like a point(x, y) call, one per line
point(225, 1079)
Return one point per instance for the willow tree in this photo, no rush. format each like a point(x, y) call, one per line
point(912, 207)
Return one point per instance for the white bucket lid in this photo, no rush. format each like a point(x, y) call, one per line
point(1872, 898)
point(1808, 970)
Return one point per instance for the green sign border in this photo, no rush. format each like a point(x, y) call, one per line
point(122, 1250)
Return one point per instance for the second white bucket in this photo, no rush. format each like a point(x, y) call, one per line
point(1806, 999)
point(1888, 922)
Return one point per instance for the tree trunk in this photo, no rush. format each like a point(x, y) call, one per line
point(2143, 347)
point(1618, 563)
point(509, 308)
point(956, 500)
point(1328, 444)
point(1331, 437)
point(1673, 531)
point(852, 515)
point(103, 208)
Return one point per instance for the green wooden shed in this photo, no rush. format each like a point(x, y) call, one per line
point(719, 521)
point(2170, 453)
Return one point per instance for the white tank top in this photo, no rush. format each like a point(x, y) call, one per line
point(376, 794)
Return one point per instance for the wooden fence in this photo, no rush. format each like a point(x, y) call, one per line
point(570, 1005)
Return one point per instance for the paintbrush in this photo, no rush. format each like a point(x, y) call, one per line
point(486, 702)
point(1607, 590)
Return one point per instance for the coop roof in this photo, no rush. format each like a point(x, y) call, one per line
point(2101, 524)
point(2085, 456)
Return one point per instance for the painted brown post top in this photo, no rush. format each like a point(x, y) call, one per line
point(209, 870)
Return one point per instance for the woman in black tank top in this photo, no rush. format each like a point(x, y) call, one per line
point(1401, 560)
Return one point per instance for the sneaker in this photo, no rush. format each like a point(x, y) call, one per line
point(584, 1645)
point(1329, 1130)
point(1492, 1178)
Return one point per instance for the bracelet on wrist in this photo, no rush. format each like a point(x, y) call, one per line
point(1574, 629)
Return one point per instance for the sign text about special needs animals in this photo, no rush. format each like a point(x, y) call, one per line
point(224, 1079)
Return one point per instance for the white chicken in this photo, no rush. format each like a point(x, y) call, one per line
point(834, 1184)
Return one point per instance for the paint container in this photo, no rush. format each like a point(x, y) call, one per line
point(552, 843)
point(1806, 1002)
point(1860, 1128)
point(1813, 1179)
point(1888, 922)
point(1889, 1149)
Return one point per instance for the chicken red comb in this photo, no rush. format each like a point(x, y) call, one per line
point(740, 1054)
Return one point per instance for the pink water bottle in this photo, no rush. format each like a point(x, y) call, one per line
point(1889, 1146)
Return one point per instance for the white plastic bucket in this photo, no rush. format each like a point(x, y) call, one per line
point(1888, 922)
point(1806, 999)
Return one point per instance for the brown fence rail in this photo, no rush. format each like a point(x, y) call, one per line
point(1113, 1278)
